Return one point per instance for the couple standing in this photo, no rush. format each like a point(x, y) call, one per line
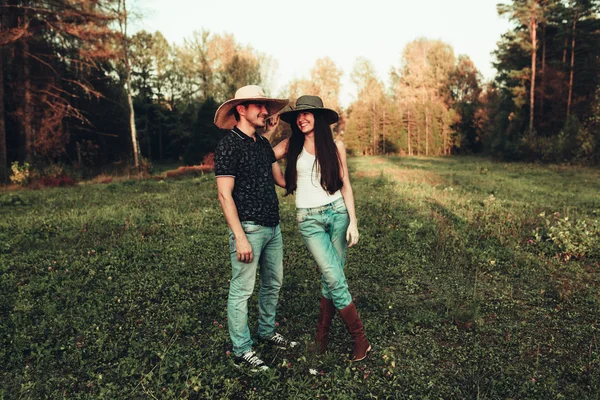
point(246, 169)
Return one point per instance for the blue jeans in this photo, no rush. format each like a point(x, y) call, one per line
point(267, 252)
point(323, 230)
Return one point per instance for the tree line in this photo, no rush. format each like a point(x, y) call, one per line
point(77, 88)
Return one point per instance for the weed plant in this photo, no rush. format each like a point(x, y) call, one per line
point(469, 280)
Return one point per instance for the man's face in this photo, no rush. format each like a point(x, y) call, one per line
point(255, 113)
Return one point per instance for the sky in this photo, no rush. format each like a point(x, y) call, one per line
point(296, 34)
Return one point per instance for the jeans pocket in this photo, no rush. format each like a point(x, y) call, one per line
point(231, 243)
point(301, 215)
point(250, 226)
point(340, 208)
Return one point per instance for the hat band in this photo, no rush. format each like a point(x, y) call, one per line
point(307, 105)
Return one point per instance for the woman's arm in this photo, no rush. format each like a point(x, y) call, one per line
point(281, 149)
point(270, 127)
point(278, 174)
point(352, 232)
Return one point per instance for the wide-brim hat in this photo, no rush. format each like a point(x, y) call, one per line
point(312, 104)
point(224, 117)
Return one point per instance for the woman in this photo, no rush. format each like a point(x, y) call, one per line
point(317, 171)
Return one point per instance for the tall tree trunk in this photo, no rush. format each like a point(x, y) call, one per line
point(418, 139)
point(564, 57)
point(572, 72)
point(26, 105)
point(533, 31)
point(543, 72)
point(134, 142)
point(148, 132)
point(25, 111)
point(374, 129)
point(383, 129)
point(444, 138)
point(426, 132)
point(409, 138)
point(3, 156)
point(160, 142)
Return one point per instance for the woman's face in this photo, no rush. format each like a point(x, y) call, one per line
point(306, 122)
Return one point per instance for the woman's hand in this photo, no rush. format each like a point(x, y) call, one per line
point(352, 234)
point(270, 126)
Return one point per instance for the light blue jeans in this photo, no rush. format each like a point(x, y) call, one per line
point(323, 230)
point(267, 252)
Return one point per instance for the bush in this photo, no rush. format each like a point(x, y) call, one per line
point(64, 180)
point(575, 239)
point(208, 165)
point(193, 170)
point(209, 161)
point(20, 173)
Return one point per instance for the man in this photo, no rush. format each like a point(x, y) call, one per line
point(246, 171)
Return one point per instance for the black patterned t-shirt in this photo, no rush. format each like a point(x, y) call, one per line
point(250, 163)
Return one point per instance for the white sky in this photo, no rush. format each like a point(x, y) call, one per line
point(297, 33)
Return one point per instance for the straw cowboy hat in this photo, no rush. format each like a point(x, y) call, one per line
point(224, 117)
point(312, 104)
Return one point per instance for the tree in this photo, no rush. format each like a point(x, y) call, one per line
point(422, 82)
point(324, 82)
point(568, 84)
point(3, 155)
point(579, 9)
point(528, 13)
point(241, 70)
point(57, 46)
point(370, 105)
point(465, 91)
point(161, 52)
point(123, 20)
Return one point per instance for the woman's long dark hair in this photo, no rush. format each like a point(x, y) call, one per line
point(327, 157)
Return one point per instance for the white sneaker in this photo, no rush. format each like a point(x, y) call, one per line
point(250, 359)
point(279, 341)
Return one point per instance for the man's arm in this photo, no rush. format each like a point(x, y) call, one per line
point(242, 245)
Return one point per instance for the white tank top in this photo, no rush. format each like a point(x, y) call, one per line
point(309, 192)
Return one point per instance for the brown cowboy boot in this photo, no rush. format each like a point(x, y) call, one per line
point(326, 314)
point(355, 327)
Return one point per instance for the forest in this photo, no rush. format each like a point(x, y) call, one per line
point(80, 93)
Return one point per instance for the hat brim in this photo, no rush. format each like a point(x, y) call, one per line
point(330, 116)
point(224, 118)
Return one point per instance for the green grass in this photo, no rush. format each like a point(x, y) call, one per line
point(468, 282)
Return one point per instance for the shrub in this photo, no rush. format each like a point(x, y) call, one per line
point(20, 173)
point(193, 170)
point(53, 171)
point(56, 181)
point(575, 239)
point(209, 161)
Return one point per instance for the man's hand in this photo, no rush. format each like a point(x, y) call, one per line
point(352, 234)
point(243, 249)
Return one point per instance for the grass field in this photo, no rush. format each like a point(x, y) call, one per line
point(474, 279)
